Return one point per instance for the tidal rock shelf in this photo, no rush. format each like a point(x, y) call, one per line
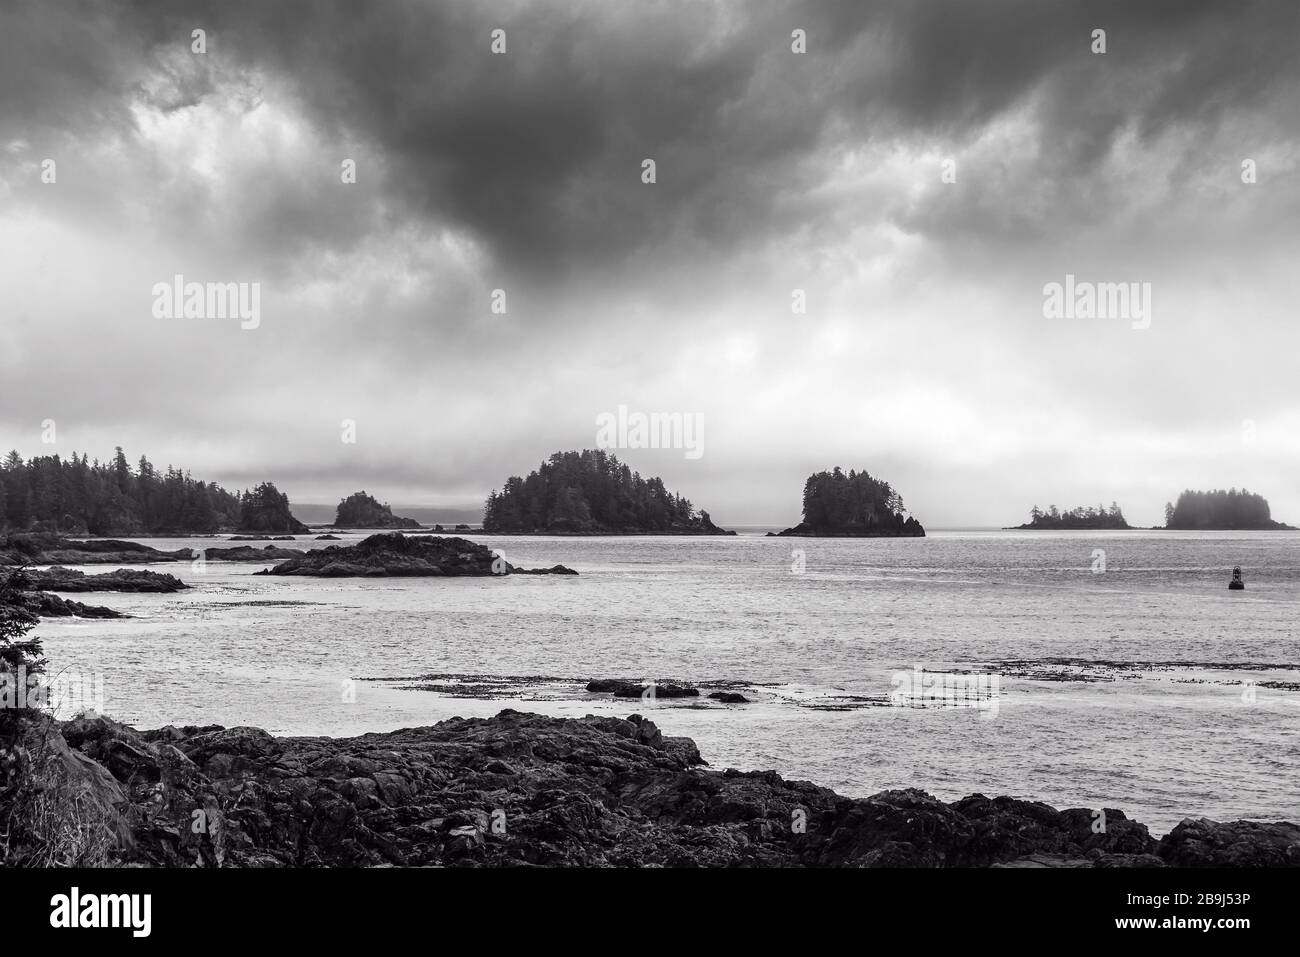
point(393, 554)
point(523, 789)
point(247, 553)
point(40, 549)
point(122, 580)
point(26, 588)
point(53, 606)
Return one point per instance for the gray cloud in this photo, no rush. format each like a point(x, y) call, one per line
point(522, 171)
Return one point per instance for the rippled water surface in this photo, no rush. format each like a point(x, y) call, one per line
point(1147, 686)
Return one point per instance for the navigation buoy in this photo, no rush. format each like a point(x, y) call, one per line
point(1236, 584)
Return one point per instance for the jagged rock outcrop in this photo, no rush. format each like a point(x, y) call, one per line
point(394, 554)
point(1201, 842)
point(597, 791)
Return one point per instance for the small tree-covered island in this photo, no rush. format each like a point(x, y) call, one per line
point(265, 510)
point(360, 510)
point(591, 493)
point(853, 505)
point(1081, 517)
point(1218, 510)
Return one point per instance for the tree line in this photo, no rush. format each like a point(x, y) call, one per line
point(1081, 517)
point(77, 496)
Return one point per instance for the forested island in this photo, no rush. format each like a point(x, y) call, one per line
point(836, 505)
point(360, 510)
point(591, 493)
point(1220, 510)
point(266, 509)
point(1080, 518)
point(75, 496)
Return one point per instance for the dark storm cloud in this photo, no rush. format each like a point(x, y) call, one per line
point(537, 153)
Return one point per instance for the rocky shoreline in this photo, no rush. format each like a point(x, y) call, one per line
point(524, 789)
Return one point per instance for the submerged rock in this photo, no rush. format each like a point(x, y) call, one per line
point(594, 791)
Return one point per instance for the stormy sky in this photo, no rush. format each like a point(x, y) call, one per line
point(923, 356)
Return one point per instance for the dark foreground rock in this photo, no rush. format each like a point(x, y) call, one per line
point(1238, 844)
point(523, 789)
point(395, 554)
point(122, 580)
point(38, 549)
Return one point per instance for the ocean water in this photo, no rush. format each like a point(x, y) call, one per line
point(1146, 686)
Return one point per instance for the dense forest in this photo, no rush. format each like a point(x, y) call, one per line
point(590, 492)
point(360, 510)
point(75, 496)
point(835, 503)
point(1220, 509)
point(1089, 517)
